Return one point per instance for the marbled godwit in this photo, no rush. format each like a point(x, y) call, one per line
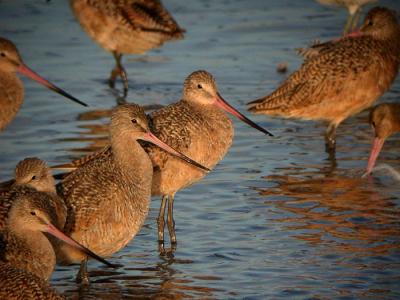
point(108, 198)
point(34, 173)
point(23, 243)
point(345, 78)
point(11, 88)
point(354, 8)
point(18, 284)
point(196, 126)
point(126, 27)
point(385, 120)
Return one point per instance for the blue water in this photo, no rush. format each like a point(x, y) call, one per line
point(276, 218)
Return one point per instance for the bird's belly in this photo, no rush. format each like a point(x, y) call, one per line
point(104, 241)
point(339, 106)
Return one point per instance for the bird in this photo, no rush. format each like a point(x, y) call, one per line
point(126, 27)
point(108, 197)
point(34, 173)
point(11, 87)
point(23, 243)
point(196, 126)
point(354, 8)
point(385, 121)
point(342, 78)
point(18, 284)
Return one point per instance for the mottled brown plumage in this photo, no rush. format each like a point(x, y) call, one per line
point(25, 248)
point(196, 126)
point(385, 121)
point(126, 27)
point(11, 87)
point(18, 284)
point(108, 197)
point(33, 173)
point(22, 242)
point(344, 78)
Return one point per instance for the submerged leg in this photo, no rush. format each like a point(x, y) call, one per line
point(118, 71)
point(170, 220)
point(82, 276)
point(160, 219)
point(330, 138)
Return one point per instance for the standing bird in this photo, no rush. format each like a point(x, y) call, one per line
point(11, 88)
point(354, 8)
point(342, 79)
point(108, 198)
point(126, 27)
point(385, 121)
point(23, 243)
point(196, 126)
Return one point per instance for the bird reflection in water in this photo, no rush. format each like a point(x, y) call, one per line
point(346, 214)
point(157, 281)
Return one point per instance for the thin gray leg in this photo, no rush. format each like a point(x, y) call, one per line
point(160, 219)
point(170, 220)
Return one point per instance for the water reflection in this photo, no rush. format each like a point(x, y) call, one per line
point(346, 214)
point(161, 281)
point(95, 128)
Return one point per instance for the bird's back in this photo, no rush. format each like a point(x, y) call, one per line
point(19, 284)
point(127, 26)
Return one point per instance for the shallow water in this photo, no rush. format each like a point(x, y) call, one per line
point(276, 218)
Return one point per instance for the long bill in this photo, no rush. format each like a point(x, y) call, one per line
point(149, 137)
point(23, 69)
point(221, 103)
point(376, 149)
point(70, 241)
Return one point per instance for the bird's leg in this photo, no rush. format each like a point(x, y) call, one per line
point(170, 220)
point(330, 138)
point(356, 18)
point(118, 71)
point(160, 220)
point(348, 25)
point(82, 277)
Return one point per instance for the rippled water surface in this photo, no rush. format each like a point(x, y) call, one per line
point(277, 218)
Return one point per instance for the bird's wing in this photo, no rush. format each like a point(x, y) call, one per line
point(321, 76)
point(171, 125)
point(146, 15)
point(317, 48)
point(80, 191)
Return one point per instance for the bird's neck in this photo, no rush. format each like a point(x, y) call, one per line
point(38, 253)
point(131, 158)
point(207, 111)
point(11, 98)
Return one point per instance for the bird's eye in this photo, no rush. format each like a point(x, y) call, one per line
point(3, 54)
point(33, 213)
point(199, 86)
point(134, 121)
point(33, 177)
point(370, 23)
